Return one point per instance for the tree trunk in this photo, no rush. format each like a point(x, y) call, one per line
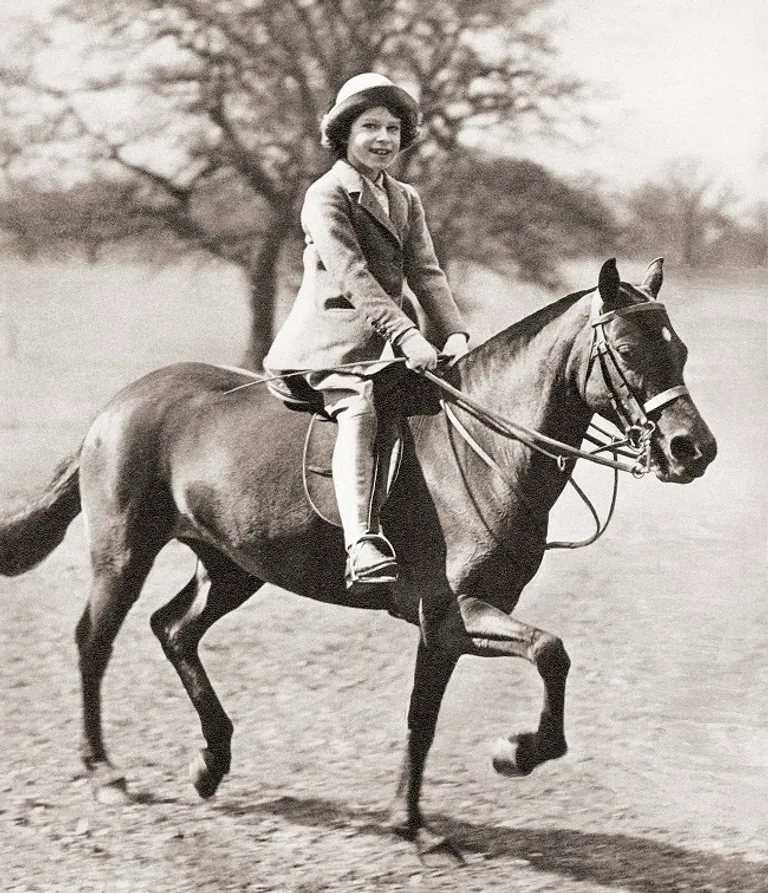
point(263, 283)
point(689, 234)
point(262, 299)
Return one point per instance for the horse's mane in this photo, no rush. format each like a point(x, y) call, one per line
point(520, 333)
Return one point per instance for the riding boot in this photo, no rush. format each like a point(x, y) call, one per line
point(371, 558)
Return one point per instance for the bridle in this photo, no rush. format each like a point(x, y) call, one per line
point(633, 415)
point(637, 428)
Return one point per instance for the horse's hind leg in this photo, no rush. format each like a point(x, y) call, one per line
point(217, 588)
point(116, 586)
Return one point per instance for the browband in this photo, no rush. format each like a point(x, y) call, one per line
point(599, 318)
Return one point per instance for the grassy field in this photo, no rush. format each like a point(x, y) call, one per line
point(666, 618)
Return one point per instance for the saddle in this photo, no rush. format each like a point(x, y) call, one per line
point(398, 393)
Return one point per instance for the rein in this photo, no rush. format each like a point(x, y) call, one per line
point(600, 527)
point(536, 440)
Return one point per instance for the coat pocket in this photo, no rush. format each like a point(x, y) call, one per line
point(337, 303)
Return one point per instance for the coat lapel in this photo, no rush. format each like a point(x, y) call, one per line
point(398, 206)
point(353, 182)
point(369, 201)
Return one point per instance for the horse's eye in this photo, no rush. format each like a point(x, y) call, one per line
point(625, 351)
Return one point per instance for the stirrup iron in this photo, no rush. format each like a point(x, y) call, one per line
point(382, 571)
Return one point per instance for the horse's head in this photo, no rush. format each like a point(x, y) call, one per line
point(635, 375)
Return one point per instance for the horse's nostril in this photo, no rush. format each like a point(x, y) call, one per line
point(683, 448)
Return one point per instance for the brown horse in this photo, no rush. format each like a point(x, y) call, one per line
point(186, 453)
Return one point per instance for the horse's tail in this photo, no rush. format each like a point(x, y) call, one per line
point(30, 534)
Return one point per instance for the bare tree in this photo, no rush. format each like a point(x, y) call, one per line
point(683, 212)
point(514, 216)
point(204, 115)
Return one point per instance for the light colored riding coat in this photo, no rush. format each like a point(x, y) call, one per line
point(356, 260)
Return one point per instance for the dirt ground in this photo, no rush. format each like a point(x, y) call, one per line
point(665, 787)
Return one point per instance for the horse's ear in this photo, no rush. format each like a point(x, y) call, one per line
point(654, 276)
point(608, 284)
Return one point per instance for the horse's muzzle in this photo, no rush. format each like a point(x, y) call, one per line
point(683, 457)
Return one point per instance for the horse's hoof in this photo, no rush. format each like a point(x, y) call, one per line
point(402, 822)
point(110, 789)
point(206, 781)
point(521, 754)
point(435, 849)
point(515, 756)
point(402, 829)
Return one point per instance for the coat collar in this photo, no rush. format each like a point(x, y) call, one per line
point(353, 181)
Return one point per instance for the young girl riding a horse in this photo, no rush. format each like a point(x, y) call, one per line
point(365, 236)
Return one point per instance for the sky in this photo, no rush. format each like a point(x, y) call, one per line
point(677, 78)
point(681, 78)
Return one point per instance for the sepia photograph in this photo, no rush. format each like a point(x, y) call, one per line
point(452, 312)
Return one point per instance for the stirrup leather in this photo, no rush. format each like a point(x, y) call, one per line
point(382, 571)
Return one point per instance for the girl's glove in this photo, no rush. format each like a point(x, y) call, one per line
point(456, 346)
point(418, 352)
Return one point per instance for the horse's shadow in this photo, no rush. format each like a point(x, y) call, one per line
point(611, 860)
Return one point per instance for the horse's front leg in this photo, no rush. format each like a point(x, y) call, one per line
point(434, 667)
point(481, 629)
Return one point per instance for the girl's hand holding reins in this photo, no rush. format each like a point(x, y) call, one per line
point(418, 352)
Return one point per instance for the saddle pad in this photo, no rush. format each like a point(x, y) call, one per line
point(316, 467)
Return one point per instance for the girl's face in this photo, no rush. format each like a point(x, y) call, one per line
point(374, 141)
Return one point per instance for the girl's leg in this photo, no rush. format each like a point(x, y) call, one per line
point(349, 398)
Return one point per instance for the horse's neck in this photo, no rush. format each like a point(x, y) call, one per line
point(530, 374)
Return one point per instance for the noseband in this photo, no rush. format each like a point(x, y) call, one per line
point(633, 415)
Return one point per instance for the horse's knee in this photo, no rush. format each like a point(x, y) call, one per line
point(550, 657)
point(171, 625)
point(174, 623)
